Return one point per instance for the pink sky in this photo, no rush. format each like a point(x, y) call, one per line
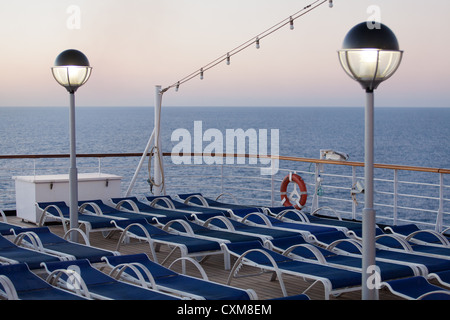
point(134, 45)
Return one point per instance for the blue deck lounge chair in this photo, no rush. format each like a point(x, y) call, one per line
point(195, 230)
point(416, 288)
point(95, 284)
point(443, 277)
point(19, 283)
point(223, 223)
point(334, 280)
point(292, 214)
point(60, 211)
point(298, 249)
point(188, 246)
point(263, 220)
point(139, 266)
point(197, 199)
point(11, 253)
point(5, 227)
point(398, 244)
point(132, 204)
point(168, 203)
point(42, 239)
point(413, 233)
point(98, 207)
point(341, 243)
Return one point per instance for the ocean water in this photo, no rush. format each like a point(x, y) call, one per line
point(403, 136)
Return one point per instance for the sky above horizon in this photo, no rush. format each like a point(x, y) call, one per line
point(134, 45)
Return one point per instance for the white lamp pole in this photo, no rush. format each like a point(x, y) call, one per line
point(72, 70)
point(369, 56)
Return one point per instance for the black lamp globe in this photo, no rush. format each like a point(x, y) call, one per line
point(71, 69)
point(370, 54)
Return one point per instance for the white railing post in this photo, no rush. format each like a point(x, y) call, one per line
point(354, 203)
point(221, 178)
point(315, 202)
point(272, 184)
point(395, 213)
point(440, 214)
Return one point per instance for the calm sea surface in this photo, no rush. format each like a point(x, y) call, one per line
point(406, 136)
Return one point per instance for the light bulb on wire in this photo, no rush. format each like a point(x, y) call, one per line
point(256, 41)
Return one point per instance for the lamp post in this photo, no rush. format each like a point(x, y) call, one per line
point(370, 56)
point(72, 70)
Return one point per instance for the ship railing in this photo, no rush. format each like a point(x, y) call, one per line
point(403, 194)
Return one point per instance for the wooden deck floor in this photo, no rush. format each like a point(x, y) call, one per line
point(214, 267)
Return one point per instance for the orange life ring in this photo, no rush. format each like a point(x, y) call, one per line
point(301, 184)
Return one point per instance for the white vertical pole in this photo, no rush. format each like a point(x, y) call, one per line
point(73, 172)
point(354, 200)
point(158, 168)
point(144, 155)
point(315, 201)
point(440, 216)
point(369, 292)
point(395, 196)
point(272, 183)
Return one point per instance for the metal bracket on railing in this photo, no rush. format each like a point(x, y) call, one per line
point(357, 188)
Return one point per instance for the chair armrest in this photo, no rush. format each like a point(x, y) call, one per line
point(227, 223)
point(319, 256)
point(137, 268)
point(440, 237)
point(8, 288)
point(260, 215)
point(167, 201)
point(34, 240)
point(327, 208)
point(85, 238)
point(130, 202)
point(94, 206)
point(44, 215)
point(298, 213)
point(74, 281)
point(184, 224)
point(334, 244)
point(199, 197)
point(227, 194)
point(195, 263)
point(402, 242)
point(2, 214)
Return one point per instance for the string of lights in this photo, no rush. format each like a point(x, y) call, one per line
point(253, 41)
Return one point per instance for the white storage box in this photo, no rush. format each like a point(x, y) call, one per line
point(49, 188)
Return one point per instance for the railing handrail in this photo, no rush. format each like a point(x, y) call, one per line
point(235, 155)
